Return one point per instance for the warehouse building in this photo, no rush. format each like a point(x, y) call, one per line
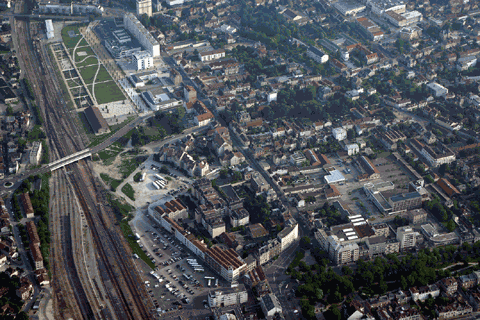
point(97, 122)
point(49, 29)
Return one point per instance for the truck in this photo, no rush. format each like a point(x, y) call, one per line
point(137, 236)
point(199, 270)
point(216, 282)
point(142, 178)
point(209, 282)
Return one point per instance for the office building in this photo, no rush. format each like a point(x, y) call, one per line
point(142, 60)
point(227, 297)
point(407, 237)
point(144, 7)
point(135, 27)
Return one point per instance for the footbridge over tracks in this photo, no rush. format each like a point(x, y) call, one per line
point(60, 163)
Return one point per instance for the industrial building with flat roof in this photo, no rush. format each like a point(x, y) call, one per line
point(334, 176)
point(49, 28)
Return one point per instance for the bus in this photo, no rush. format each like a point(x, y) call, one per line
point(142, 178)
point(199, 270)
point(156, 186)
point(209, 278)
point(159, 177)
point(159, 186)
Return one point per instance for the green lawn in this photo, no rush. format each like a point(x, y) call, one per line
point(83, 43)
point(114, 183)
point(129, 165)
point(128, 233)
point(79, 56)
point(108, 92)
point(74, 83)
point(127, 189)
point(70, 42)
point(88, 73)
point(103, 75)
point(89, 61)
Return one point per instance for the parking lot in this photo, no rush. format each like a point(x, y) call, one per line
point(174, 284)
point(146, 192)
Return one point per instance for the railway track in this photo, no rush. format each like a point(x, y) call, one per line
point(128, 298)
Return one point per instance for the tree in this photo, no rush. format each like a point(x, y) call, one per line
point(305, 242)
point(22, 316)
point(9, 111)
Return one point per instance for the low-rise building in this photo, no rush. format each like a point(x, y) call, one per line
point(437, 90)
point(449, 285)
point(211, 55)
point(339, 133)
point(270, 305)
point(317, 55)
point(27, 205)
point(227, 297)
point(239, 217)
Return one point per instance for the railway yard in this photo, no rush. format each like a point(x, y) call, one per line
point(93, 273)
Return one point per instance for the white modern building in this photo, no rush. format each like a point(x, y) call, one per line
point(35, 153)
point(227, 297)
point(144, 7)
point(407, 237)
point(379, 7)
point(437, 89)
point(136, 28)
point(352, 149)
point(335, 176)
point(339, 133)
point(172, 3)
point(272, 96)
point(317, 55)
point(49, 29)
point(142, 60)
point(289, 234)
point(160, 101)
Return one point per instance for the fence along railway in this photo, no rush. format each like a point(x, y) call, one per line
point(127, 296)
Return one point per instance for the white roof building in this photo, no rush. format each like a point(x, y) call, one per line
point(437, 89)
point(49, 28)
point(335, 176)
point(339, 133)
